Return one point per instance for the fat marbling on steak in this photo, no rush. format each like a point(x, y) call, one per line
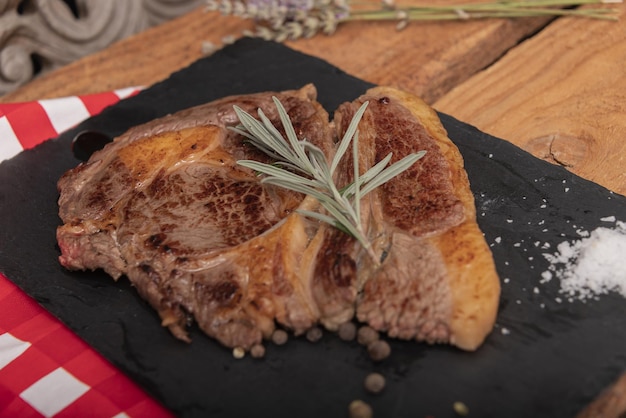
point(201, 238)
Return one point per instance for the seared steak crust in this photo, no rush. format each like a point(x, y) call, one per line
point(201, 238)
point(421, 200)
point(438, 282)
point(407, 295)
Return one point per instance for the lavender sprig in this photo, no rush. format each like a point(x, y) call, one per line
point(280, 20)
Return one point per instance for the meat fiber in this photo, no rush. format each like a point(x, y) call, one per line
point(200, 237)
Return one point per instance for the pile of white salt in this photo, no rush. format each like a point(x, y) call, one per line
point(592, 266)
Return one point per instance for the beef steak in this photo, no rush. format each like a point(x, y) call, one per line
point(201, 238)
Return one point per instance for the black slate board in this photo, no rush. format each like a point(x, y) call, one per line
point(556, 359)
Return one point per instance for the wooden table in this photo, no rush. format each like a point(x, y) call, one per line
point(556, 88)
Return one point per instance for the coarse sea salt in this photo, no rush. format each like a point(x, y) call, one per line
point(592, 266)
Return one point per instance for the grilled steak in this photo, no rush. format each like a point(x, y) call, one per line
point(438, 282)
point(201, 238)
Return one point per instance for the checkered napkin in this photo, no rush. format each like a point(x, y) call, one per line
point(24, 125)
point(45, 369)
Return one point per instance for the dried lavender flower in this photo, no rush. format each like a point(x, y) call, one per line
point(280, 20)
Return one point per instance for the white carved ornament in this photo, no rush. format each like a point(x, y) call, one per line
point(37, 36)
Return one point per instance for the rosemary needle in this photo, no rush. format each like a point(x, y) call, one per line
point(302, 167)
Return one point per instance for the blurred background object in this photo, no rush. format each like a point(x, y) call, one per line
point(37, 36)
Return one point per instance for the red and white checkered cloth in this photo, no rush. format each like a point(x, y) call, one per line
point(45, 369)
point(24, 125)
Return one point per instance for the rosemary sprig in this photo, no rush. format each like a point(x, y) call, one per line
point(302, 167)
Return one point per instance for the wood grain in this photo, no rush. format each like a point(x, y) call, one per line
point(611, 403)
point(427, 59)
point(561, 95)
